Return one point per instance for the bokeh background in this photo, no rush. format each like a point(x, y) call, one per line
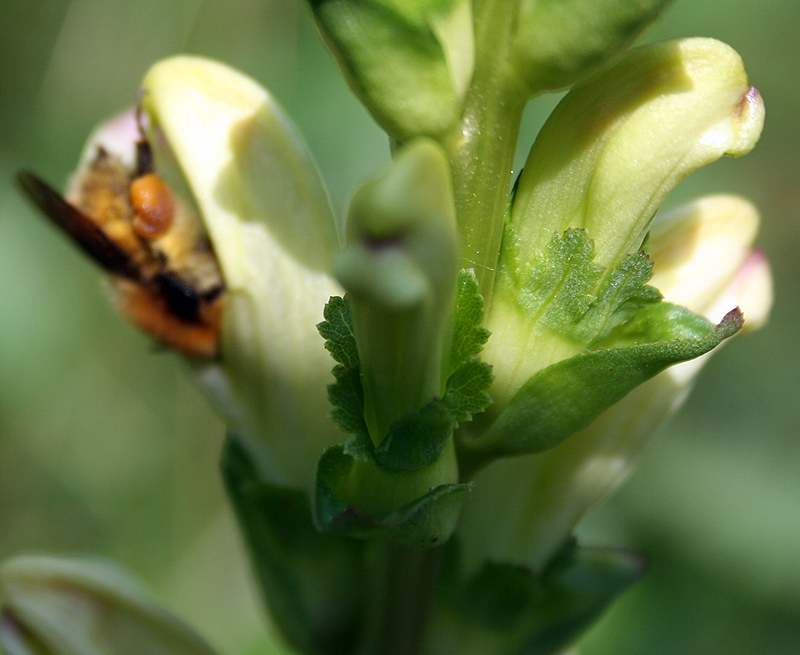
point(106, 447)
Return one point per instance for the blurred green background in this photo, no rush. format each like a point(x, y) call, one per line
point(105, 446)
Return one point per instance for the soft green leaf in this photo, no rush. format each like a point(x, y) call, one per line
point(565, 397)
point(563, 289)
point(409, 62)
point(346, 395)
point(466, 392)
point(417, 440)
point(510, 609)
point(468, 378)
point(579, 586)
point(347, 399)
point(337, 330)
point(558, 42)
point(428, 518)
point(468, 335)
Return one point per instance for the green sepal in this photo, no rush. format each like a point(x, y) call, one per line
point(417, 440)
point(560, 289)
point(507, 608)
point(346, 395)
point(468, 381)
point(347, 398)
point(466, 393)
point(426, 521)
point(558, 42)
point(337, 330)
point(408, 62)
point(414, 442)
point(313, 582)
point(468, 334)
point(567, 396)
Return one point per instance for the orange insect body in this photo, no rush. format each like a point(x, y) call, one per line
point(154, 205)
point(166, 275)
point(153, 315)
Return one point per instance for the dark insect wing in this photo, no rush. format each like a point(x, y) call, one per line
point(83, 230)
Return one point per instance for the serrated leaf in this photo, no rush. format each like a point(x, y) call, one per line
point(301, 571)
point(561, 292)
point(624, 294)
point(347, 398)
point(337, 330)
point(427, 521)
point(466, 392)
point(360, 446)
point(566, 397)
point(468, 335)
point(416, 440)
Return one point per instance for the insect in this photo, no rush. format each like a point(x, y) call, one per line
point(164, 271)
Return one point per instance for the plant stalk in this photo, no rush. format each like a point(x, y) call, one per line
point(403, 586)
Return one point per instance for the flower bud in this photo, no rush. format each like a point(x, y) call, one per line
point(711, 240)
point(618, 144)
point(603, 163)
point(268, 217)
point(397, 477)
point(522, 510)
point(59, 606)
point(399, 267)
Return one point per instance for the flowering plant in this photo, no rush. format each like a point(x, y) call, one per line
point(493, 352)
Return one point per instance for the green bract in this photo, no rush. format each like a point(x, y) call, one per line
point(709, 240)
point(409, 62)
point(558, 42)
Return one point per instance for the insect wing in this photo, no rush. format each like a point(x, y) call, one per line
point(83, 230)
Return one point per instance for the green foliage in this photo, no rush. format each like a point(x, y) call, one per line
point(559, 42)
point(468, 335)
point(425, 521)
point(466, 393)
point(567, 396)
point(468, 379)
point(346, 394)
point(395, 60)
point(417, 440)
point(392, 491)
point(337, 330)
point(563, 289)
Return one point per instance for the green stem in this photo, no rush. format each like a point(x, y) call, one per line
point(403, 585)
point(483, 144)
